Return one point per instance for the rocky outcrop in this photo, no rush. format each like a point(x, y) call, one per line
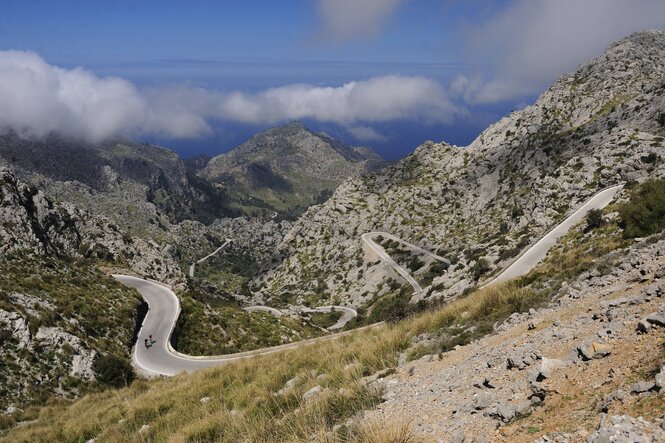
point(140, 187)
point(25, 359)
point(58, 340)
point(30, 223)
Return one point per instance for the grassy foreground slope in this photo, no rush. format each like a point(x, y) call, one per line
point(243, 401)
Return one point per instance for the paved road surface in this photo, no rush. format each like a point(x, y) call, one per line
point(368, 239)
point(533, 255)
point(164, 309)
point(193, 265)
point(269, 310)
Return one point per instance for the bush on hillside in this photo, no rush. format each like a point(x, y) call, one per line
point(113, 371)
point(594, 219)
point(480, 268)
point(644, 214)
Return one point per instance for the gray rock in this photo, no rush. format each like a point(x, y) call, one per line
point(642, 386)
point(313, 392)
point(623, 428)
point(483, 400)
point(643, 326)
point(522, 360)
point(205, 400)
point(594, 350)
point(508, 411)
point(617, 395)
point(660, 378)
point(656, 318)
point(546, 367)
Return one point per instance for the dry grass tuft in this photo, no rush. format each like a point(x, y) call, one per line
point(375, 431)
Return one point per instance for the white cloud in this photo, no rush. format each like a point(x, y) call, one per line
point(37, 98)
point(348, 19)
point(377, 99)
point(366, 134)
point(532, 42)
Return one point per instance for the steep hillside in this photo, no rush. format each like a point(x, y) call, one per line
point(540, 361)
point(479, 206)
point(65, 325)
point(141, 187)
point(287, 169)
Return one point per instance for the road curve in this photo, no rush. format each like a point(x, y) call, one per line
point(269, 310)
point(164, 305)
point(193, 265)
point(533, 255)
point(160, 321)
point(368, 239)
point(349, 314)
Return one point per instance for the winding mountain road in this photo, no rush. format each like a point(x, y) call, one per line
point(349, 314)
point(193, 265)
point(533, 255)
point(164, 305)
point(368, 239)
point(160, 321)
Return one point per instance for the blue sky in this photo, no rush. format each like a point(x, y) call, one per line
point(197, 75)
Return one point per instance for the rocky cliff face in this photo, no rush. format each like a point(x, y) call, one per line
point(32, 225)
point(143, 188)
point(479, 206)
point(286, 169)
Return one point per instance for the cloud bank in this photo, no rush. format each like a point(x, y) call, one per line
point(345, 20)
point(532, 42)
point(37, 98)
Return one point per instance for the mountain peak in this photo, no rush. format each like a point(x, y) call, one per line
point(289, 166)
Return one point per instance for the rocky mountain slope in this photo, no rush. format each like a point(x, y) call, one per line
point(479, 206)
point(570, 353)
point(63, 321)
point(573, 351)
point(141, 187)
point(287, 169)
point(588, 367)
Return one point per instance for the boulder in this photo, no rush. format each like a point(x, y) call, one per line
point(594, 350)
point(483, 400)
point(660, 378)
point(642, 386)
point(313, 392)
point(643, 326)
point(656, 319)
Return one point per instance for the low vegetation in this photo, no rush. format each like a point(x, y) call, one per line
point(247, 400)
point(78, 299)
point(215, 327)
point(250, 400)
point(644, 214)
point(326, 319)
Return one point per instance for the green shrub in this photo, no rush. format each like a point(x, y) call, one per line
point(480, 268)
point(644, 214)
point(392, 307)
point(113, 371)
point(594, 219)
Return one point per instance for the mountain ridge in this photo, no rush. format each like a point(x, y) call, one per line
point(288, 167)
point(484, 203)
